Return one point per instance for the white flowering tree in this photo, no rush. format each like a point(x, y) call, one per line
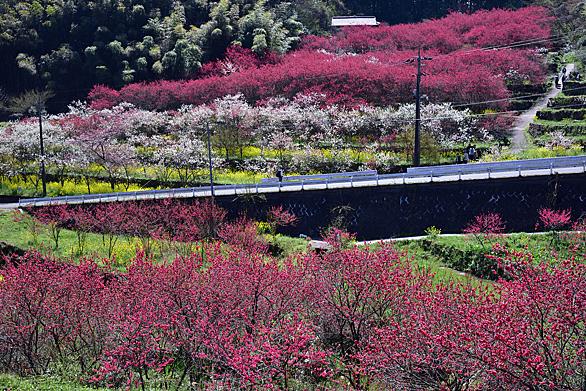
point(20, 149)
point(232, 124)
point(174, 144)
point(445, 124)
point(101, 136)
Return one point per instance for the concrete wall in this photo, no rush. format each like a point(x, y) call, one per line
point(393, 211)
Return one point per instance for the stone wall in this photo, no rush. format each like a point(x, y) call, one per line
point(392, 211)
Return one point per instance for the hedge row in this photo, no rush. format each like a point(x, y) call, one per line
point(521, 104)
point(564, 101)
point(575, 88)
point(525, 89)
point(472, 260)
point(561, 114)
point(537, 130)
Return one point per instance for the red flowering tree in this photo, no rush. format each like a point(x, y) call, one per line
point(55, 218)
point(354, 291)
point(278, 217)
point(52, 315)
point(554, 221)
point(543, 343)
point(376, 73)
point(485, 227)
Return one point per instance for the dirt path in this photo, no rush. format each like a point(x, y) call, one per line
point(519, 139)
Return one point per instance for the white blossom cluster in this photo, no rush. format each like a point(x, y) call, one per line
point(176, 142)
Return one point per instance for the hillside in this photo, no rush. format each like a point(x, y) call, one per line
point(44, 42)
point(368, 65)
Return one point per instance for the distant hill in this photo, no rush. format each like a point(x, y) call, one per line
point(69, 46)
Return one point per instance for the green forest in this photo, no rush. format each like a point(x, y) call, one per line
point(69, 46)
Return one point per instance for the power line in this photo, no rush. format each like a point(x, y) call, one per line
point(509, 112)
point(417, 148)
point(511, 98)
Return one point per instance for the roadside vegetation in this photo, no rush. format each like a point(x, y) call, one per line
point(230, 308)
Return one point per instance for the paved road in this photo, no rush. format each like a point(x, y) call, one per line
point(519, 139)
point(391, 180)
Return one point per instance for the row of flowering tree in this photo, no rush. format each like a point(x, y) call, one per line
point(456, 31)
point(367, 65)
point(234, 317)
point(172, 144)
point(176, 227)
point(376, 78)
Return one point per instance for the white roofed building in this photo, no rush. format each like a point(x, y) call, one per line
point(345, 21)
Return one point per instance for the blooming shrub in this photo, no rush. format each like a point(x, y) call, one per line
point(485, 227)
point(554, 220)
point(360, 66)
point(278, 217)
point(233, 317)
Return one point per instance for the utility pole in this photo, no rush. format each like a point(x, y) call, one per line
point(32, 102)
point(210, 158)
point(39, 111)
point(417, 146)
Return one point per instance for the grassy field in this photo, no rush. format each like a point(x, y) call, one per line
point(43, 383)
point(27, 235)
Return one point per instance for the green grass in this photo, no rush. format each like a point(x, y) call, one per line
point(540, 245)
point(288, 245)
point(426, 262)
point(21, 234)
point(565, 121)
point(26, 235)
point(41, 383)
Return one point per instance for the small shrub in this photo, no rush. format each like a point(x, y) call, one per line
point(433, 232)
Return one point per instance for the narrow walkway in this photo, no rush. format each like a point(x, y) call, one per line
point(519, 139)
point(415, 238)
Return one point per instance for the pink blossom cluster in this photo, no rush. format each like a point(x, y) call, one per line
point(367, 66)
point(456, 31)
point(235, 317)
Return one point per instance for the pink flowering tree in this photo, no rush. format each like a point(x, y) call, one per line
point(55, 218)
point(554, 221)
point(485, 227)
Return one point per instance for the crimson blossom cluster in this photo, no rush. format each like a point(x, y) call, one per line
point(367, 66)
point(235, 317)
